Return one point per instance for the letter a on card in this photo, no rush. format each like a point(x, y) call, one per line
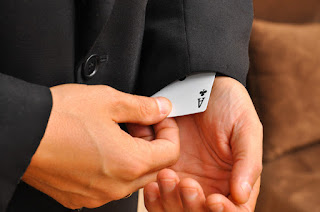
point(200, 101)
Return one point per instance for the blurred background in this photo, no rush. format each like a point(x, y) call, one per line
point(284, 83)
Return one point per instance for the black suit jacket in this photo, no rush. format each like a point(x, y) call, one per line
point(136, 46)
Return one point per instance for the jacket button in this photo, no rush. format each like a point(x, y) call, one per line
point(90, 67)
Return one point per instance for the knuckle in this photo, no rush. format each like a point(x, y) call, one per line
point(258, 167)
point(116, 196)
point(106, 89)
point(113, 98)
point(105, 192)
point(105, 95)
point(128, 172)
point(103, 90)
point(176, 156)
point(71, 206)
point(93, 203)
point(119, 194)
point(247, 209)
point(73, 203)
point(145, 108)
point(134, 171)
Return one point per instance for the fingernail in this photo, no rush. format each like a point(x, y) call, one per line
point(216, 207)
point(189, 193)
point(164, 105)
point(167, 185)
point(246, 187)
point(151, 196)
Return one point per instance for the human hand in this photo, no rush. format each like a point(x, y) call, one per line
point(221, 151)
point(86, 160)
point(170, 193)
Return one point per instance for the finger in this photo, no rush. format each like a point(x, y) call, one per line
point(127, 108)
point(164, 150)
point(220, 203)
point(246, 143)
point(254, 195)
point(169, 190)
point(193, 198)
point(145, 158)
point(151, 157)
point(141, 131)
point(152, 198)
point(142, 181)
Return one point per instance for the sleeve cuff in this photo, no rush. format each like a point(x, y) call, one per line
point(24, 112)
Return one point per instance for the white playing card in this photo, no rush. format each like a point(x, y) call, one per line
point(190, 95)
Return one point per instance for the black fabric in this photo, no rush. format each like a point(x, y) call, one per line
point(25, 110)
point(121, 46)
point(123, 205)
point(91, 17)
point(27, 199)
point(218, 34)
point(37, 40)
point(165, 56)
point(147, 45)
point(183, 37)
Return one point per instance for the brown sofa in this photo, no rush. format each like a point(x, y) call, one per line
point(284, 83)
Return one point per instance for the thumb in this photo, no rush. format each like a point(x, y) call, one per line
point(128, 108)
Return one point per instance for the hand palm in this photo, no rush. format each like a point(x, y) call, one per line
point(216, 146)
point(206, 154)
point(220, 149)
point(202, 157)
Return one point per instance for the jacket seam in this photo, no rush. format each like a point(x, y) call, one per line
point(186, 36)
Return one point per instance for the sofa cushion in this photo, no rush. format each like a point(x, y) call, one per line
point(289, 11)
point(284, 83)
point(291, 183)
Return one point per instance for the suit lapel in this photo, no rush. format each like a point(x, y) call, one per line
point(92, 16)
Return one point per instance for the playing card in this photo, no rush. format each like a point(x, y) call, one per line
point(190, 95)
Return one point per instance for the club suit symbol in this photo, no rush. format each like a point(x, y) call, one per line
point(203, 92)
point(200, 100)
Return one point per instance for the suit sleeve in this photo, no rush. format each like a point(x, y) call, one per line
point(183, 37)
point(24, 111)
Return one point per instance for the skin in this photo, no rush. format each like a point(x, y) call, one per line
point(86, 160)
point(221, 157)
